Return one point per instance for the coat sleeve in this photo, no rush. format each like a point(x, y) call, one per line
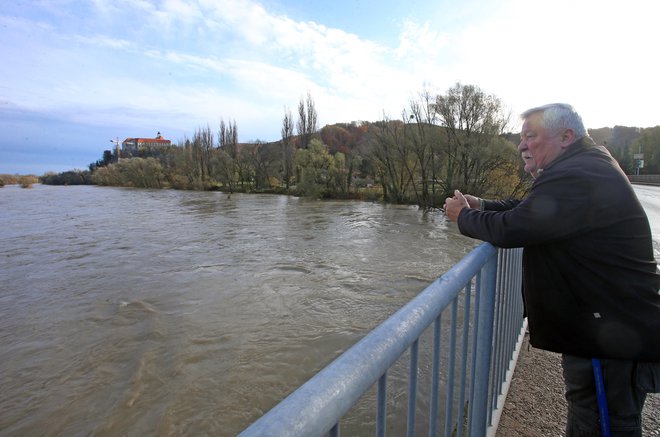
point(557, 207)
point(500, 205)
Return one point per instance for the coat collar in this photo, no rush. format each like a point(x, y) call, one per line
point(584, 143)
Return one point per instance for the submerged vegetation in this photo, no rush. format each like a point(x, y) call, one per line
point(25, 181)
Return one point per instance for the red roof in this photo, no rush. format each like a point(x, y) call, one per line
point(160, 140)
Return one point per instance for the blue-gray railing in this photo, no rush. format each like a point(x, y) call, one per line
point(482, 294)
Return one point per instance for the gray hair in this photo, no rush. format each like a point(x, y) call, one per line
point(557, 116)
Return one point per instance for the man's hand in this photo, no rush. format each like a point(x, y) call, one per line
point(454, 205)
point(474, 202)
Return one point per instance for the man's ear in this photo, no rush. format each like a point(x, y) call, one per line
point(567, 138)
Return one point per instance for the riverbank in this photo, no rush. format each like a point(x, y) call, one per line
point(535, 405)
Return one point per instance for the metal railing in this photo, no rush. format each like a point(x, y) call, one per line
point(464, 370)
point(645, 179)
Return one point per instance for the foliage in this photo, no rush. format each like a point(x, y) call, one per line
point(626, 142)
point(648, 143)
point(134, 172)
point(27, 181)
point(473, 123)
point(440, 143)
point(73, 177)
point(105, 161)
point(10, 179)
point(389, 158)
point(314, 166)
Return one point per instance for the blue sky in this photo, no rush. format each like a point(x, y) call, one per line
point(77, 74)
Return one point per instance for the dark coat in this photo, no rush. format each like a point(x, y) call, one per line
point(589, 276)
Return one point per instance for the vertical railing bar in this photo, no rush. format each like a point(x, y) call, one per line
point(435, 377)
point(504, 340)
point(497, 311)
point(381, 412)
point(450, 370)
point(511, 336)
point(484, 347)
point(412, 387)
point(498, 326)
point(495, 361)
point(501, 349)
point(475, 333)
point(464, 357)
point(510, 321)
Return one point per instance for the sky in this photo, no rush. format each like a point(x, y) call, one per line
point(76, 75)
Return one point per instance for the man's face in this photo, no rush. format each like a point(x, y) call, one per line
point(538, 147)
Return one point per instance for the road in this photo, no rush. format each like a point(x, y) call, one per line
point(649, 196)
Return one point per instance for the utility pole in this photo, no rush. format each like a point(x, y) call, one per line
point(116, 141)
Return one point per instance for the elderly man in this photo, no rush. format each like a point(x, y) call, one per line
point(590, 279)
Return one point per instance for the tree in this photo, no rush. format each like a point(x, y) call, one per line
point(315, 167)
point(422, 139)
point(473, 121)
point(307, 120)
point(134, 172)
point(203, 147)
point(287, 147)
point(648, 143)
point(263, 160)
point(227, 165)
point(390, 157)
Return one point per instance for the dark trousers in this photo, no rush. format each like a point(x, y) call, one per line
point(626, 385)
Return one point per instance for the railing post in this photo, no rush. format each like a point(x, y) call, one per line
point(484, 347)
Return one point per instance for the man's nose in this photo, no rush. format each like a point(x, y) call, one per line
point(522, 146)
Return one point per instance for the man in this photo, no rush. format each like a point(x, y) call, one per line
point(590, 280)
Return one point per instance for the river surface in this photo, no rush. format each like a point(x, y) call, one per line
point(133, 312)
point(139, 312)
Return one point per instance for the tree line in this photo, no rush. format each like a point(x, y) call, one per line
point(458, 139)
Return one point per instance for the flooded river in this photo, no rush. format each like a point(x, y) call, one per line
point(138, 312)
point(133, 312)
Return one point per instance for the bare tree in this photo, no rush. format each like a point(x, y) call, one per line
point(422, 139)
point(473, 122)
point(307, 120)
point(228, 139)
point(287, 147)
point(228, 165)
point(390, 156)
point(201, 149)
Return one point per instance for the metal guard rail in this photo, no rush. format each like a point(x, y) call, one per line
point(487, 357)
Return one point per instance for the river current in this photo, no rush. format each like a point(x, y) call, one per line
point(133, 312)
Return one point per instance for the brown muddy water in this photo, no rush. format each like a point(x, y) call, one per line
point(140, 312)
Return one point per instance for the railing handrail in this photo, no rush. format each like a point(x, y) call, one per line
point(318, 405)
